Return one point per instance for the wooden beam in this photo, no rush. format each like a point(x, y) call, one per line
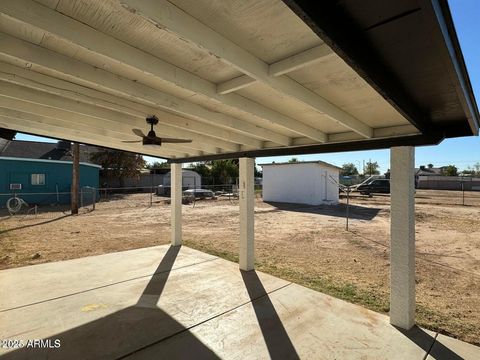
point(77, 93)
point(171, 18)
point(36, 128)
point(145, 65)
point(24, 111)
point(281, 67)
point(378, 133)
point(300, 60)
point(235, 84)
point(116, 118)
point(116, 90)
point(371, 144)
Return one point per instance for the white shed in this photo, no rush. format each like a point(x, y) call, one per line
point(309, 182)
point(190, 179)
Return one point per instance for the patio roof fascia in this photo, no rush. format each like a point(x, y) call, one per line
point(410, 140)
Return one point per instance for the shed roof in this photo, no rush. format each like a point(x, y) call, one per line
point(319, 162)
point(249, 78)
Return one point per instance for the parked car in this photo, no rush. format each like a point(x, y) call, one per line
point(161, 190)
point(375, 186)
point(199, 194)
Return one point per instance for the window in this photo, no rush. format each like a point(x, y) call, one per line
point(38, 179)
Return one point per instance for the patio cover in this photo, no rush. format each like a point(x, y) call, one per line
point(239, 78)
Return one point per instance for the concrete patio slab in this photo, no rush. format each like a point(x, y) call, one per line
point(111, 321)
point(294, 322)
point(195, 306)
point(78, 275)
point(447, 348)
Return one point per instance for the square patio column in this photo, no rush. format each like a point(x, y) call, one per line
point(247, 205)
point(402, 233)
point(176, 203)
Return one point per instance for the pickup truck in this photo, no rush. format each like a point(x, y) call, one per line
point(375, 186)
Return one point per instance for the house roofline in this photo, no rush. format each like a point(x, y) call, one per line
point(303, 162)
point(46, 160)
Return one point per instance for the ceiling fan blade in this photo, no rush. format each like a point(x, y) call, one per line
point(171, 140)
point(132, 141)
point(139, 132)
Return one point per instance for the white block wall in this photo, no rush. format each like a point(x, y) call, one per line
point(300, 183)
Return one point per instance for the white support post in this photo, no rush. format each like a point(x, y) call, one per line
point(247, 205)
point(176, 203)
point(402, 233)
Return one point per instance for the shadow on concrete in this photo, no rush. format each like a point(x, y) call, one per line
point(429, 344)
point(340, 210)
point(33, 225)
point(125, 332)
point(276, 338)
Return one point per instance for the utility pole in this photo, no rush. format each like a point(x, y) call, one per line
point(75, 177)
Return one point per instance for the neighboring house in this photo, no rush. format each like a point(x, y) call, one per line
point(433, 179)
point(40, 172)
point(426, 171)
point(44, 150)
point(310, 182)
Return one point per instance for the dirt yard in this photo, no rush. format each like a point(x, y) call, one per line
point(308, 245)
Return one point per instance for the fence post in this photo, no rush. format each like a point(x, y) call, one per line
point(348, 205)
point(94, 197)
point(75, 177)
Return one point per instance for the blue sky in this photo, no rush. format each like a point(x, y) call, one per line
point(462, 152)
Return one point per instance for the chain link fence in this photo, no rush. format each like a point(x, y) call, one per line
point(108, 198)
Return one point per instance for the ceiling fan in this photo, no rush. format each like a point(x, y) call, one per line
point(151, 138)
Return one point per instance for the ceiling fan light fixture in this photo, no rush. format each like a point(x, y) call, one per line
point(152, 141)
point(152, 146)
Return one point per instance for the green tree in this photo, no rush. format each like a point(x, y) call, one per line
point(202, 169)
point(349, 169)
point(293, 160)
point(257, 172)
point(476, 166)
point(430, 166)
point(224, 171)
point(118, 164)
point(219, 171)
point(158, 165)
point(450, 170)
point(468, 171)
point(371, 168)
